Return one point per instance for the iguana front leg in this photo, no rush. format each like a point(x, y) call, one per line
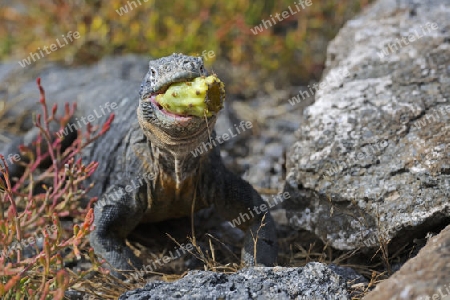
point(237, 206)
point(116, 214)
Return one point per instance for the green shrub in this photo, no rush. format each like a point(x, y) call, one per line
point(27, 271)
point(293, 49)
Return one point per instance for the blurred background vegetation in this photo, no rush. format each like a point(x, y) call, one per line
point(292, 52)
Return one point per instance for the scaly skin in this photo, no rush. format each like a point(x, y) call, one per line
point(154, 150)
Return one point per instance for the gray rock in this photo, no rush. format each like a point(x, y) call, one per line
point(313, 281)
point(424, 277)
point(371, 160)
point(350, 275)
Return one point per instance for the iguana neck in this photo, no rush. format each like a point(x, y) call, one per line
point(182, 158)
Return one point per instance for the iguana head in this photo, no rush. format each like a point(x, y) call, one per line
point(167, 96)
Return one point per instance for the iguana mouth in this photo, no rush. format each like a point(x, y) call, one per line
point(183, 100)
point(158, 107)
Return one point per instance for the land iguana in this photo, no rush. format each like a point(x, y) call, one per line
point(153, 147)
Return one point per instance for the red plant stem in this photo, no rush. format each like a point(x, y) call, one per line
point(13, 207)
point(47, 131)
point(28, 171)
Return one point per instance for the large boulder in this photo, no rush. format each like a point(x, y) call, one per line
point(424, 277)
point(372, 158)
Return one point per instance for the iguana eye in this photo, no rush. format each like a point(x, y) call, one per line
point(202, 70)
point(152, 74)
point(152, 77)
